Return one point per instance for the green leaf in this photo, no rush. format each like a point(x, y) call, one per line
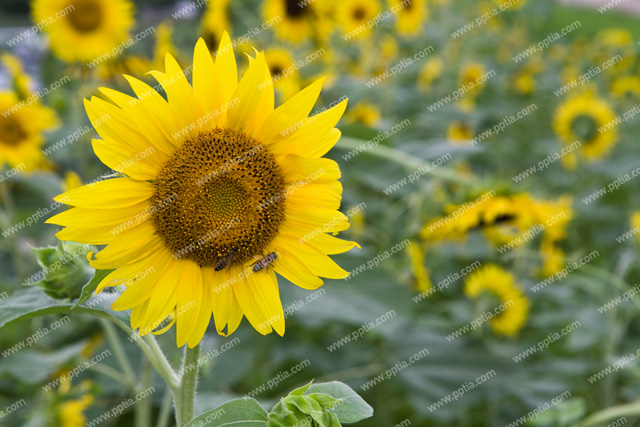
point(90, 287)
point(237, 413)
point(32, 302)
point(351, 409)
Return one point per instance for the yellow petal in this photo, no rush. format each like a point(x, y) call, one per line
point(255, 95)
point(227, 72)
point(264, 285)
point(129, 246)
point(108, 194)
point(250, 307)
point(188, 301)
point(291, 112)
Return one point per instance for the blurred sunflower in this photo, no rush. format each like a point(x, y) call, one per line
point(205, 217)
point(500, 284)
point(627, 86)
point(89, 29)
point(21, 128)
point(410, 15)
point(215, 22)
point(420, 272)
point(431, 70)
point(294, 17)
point(283, 72)
point(583, 118)
point(21, 82)
point(365, 113)
point(460, 132)
point(353, 16)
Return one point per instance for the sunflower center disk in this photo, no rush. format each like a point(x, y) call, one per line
point(585, 127)
point(220, 197)
point(11, 133)
point(86, 16)
point(294, 10)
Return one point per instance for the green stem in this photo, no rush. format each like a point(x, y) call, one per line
point(143, 409)
point(113, 374)
point(612, 413)
point(185, 395)
point(165, 410)
point(10, 210)
point(407, 160)
point(121, 355)
point(159, 361)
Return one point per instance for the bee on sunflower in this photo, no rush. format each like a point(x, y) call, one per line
point(218, 191)
point(87, 28)
point(500, 285)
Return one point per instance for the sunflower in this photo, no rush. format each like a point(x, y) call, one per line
point(215, 22)
point(21, 128)
point(72, 411)
point(500, 284)
point(420, 272)
point(88, 29)
point(627, 86)
point(295, 18)
point(365, 113)
point(583, 118)
point(460, 132)
point(232, 192)
point(283, 72)
point(21, 82)
point(410, 15)
point(353, 16)
point(431, 70)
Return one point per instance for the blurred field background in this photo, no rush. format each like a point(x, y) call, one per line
point(518, 194)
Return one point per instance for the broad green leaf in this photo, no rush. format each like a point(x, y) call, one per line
point(90, 287)
point(237, 413)
point(351, 409)
point(32, 302)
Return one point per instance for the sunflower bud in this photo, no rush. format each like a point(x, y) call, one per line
point(304, 410)
point(65, 270)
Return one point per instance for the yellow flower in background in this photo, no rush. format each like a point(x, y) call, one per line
point(354, 15)
point(21, 128)
point(510, 315)
point(410, 16)
point(470, 75)
point(164, 44)
point(431, 70)
point(214, 23)
point(134, 65)
point(420, 272)
point(87, 29)
point(192, 231)
point(459, 132)
point(20, 81)
point(553, 257)
point(627, 86)
point(72, 412)
point(294, 18)
point(365, 113)
point(584, 118)
point(510, 4)
point(635, 223)
point(283, 72)
point(71, 181)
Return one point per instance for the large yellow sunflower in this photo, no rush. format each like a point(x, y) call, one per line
point(293, 19)
point(410, 15)
point(583, 118)
point(511, 313)
point(82, 30)
point(21, 127)
point(231, 192)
